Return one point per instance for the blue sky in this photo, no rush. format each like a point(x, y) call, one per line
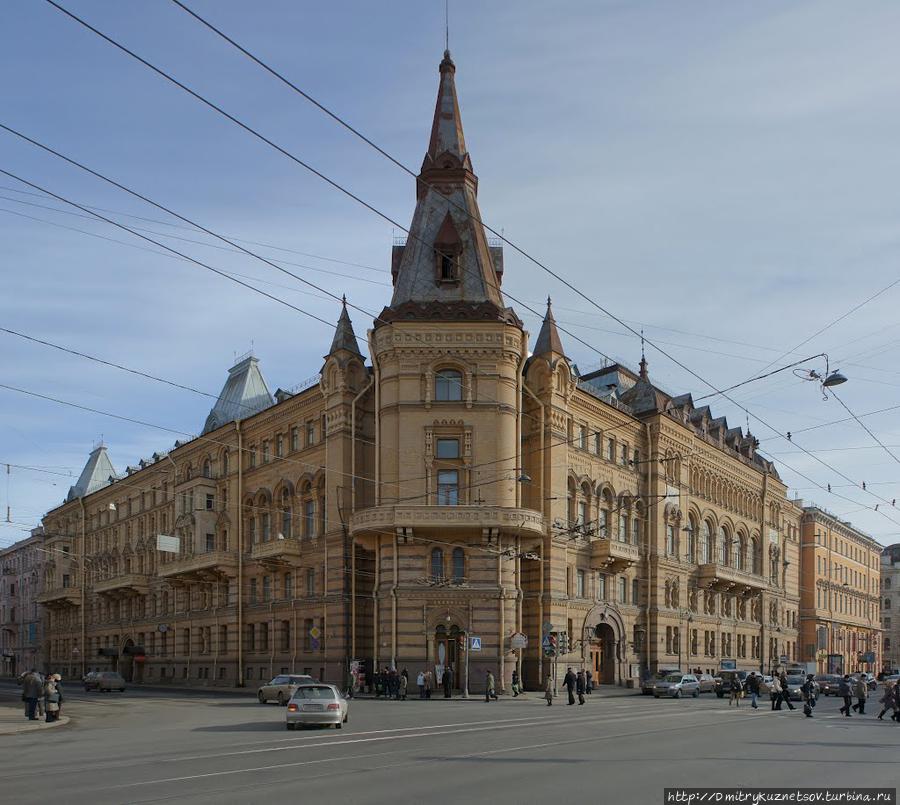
point(722, 175)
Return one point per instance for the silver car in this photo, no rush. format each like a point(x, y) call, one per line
point(318, 704)
point(281, 688)
point(677, 685)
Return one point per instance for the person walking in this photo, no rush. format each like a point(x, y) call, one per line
point(569, 682)
point(786, 691)
point(580, 684)
point(32, 690)
point(896, 714)
point(736, 690)
point(420, 681)
point(51, 699)
point(887, 700)
point(845, 691)
point(404, 683)
point(548, 689)
point(429, 683)
point(861, 691)
point(808, 694)
point(753, 689)
point(447, 680)
point(776, 693)
point(489, 692)
point(589, 680)
point(515, 683)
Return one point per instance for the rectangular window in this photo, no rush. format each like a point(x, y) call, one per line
point(623, 590)
point(210, 542)
point(279, 445)
point(310, 581)
point(310, 433)
point(583, 438)
point(579, 584)
point(288, 585)
point(223, 639)
point(623, 527)
point(267, 588)
point(210, 502)
point(636, 459)
point(635, 589)
point(295, 439)
point(447, 385)
point(307, 637)
point(598, 443)
point(67, 580)
point(264, 636)
point(309, 518)
point(601, 587)
point(265, 452)
point(285, 635)
point(624, 455)
point(448, 487)
point(252, 455)
point(252, 591)
point(447, 448)
point(611, 449)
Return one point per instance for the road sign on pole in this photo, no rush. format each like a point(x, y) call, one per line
point(475, 643)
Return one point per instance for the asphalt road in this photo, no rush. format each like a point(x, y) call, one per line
point(149, 746)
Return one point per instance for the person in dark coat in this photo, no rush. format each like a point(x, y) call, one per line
point(548, 689)
point(808, 694)
point(861, 691)
point(580, 684)
point(32, 690)
point(516, 685)
point(886, 700)
point(786, 691)
point(845, 692)
point(569, 682)
point(447, 681)
point(589, 682)
point(753, 689)
point(489, 687)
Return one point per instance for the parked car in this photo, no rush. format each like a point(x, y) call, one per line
point(723, 681)
point(317, 703)
point(104, 680)
point(677, 685)
point(707, 683)
point(648, 684)
point(828, 684)
point(281, 688)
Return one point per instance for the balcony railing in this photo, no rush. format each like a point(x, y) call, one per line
point(210, 565)
point(276, 550)
point(610, 554)
point(124, 584)
point(61, 596)
point(722, 576)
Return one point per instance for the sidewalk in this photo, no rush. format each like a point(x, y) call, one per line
point(606, 692)
point(13, 721)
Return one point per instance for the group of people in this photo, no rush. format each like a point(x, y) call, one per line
point(580, 684)
point(42, 695)
point(393, 684)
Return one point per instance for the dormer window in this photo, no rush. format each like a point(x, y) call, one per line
point(447, 252)
point(448, 267)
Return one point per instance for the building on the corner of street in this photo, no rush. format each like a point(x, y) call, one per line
point(890, 596)
point(462, 482)
point(839, 594)
point(21, 577)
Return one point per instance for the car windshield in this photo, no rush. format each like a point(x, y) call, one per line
point(298, 680)
point(314, 692)
point(663, 674)
point(673, 678)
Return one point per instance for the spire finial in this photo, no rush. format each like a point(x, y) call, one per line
point(447, 28)
point(344, 300)
point(549, 303)
point(644, 375)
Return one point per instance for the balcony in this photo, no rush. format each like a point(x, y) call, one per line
point(209, 566)
point(723, 577)
point(612, 555)
point(526, 523)
point(60, 597)
point(125, 584)
point(276, 551)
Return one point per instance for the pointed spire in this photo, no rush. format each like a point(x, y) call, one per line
point(446, 128)
point(548, 339)
point(344, 337)
point(644, 374)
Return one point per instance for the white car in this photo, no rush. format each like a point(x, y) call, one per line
point(319, 704)
point(281, 688)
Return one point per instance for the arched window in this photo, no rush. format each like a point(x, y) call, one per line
point(459, 564)
point(437, 563)
point(225, 463)
point(207, 469)
point(707, 544)
point(286, 519)
point(448, 385)
point(724, 545)
point(692, 540)
point(887, 603)
point(754, 556)
point(740, 555)
point(887, 584)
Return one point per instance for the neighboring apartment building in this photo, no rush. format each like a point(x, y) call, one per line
point(459, 485)
point(839, 612)
point(890, 606)
point(21, 574)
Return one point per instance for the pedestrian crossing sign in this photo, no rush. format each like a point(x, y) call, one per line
point(475, 644)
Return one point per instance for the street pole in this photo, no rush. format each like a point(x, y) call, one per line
point(465, 693)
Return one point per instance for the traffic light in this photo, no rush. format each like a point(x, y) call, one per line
point(550, 644)
point(563, 642)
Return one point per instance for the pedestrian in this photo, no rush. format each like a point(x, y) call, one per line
point(569, 682)
point(753, 689)
point(887, 700)
point(489, 692)
point(394, 684)
point(420, 681)
point(580, 684)
point(786, 691)
point(845, 691)
point(589, 679)
point(429, 683)
point(896, 714)
point(861, 691)
point(776, 693)
point(32, 690)
point(515, 683)
point(548, 690)
point(404, 682)
point(57, 680)
point(447, 679)
point(51, 698)
point(736, 691)
point(808, 694)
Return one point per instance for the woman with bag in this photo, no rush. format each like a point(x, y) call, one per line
point(51, 699)
point(808, 693)
point(548, 690)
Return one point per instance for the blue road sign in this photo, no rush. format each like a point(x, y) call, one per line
point(475, 643)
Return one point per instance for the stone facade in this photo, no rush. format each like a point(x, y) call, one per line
point(890, 604)
point(840, 595)
point(458, 486)
point(21, 577)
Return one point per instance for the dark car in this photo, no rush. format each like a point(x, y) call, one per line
point(723, 681)
point(828, 684)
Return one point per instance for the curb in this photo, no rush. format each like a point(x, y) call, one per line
point(17, 729)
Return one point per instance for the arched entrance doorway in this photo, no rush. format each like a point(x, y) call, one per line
point(604, 637)
point(446, 651)
point(603, 654)
point(126, 661)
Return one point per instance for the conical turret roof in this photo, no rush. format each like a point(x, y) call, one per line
point(548, 339)
point(96, 474)
point(344, 337)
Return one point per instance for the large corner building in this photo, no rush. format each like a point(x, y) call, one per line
point(461, 480)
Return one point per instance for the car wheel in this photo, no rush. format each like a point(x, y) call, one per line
point(721, 695)
point(281, 701)
point(696, 693)
point(262, 699)
point(87, 690)
point(121, 690)
point(677, 694)
point(338, 725)
point(290, 726)
point(655, 695)
point(347, 718)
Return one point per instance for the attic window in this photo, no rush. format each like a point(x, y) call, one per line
point(446, 263)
